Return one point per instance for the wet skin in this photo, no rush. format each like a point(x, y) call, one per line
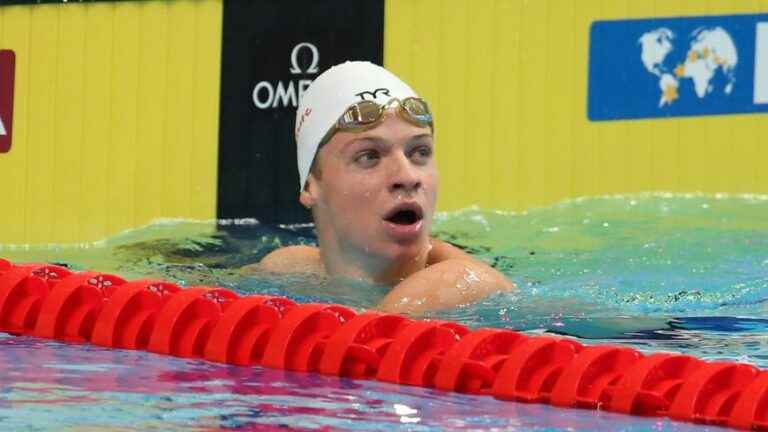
point(373, 201)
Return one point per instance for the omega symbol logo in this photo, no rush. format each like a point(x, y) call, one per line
point(295, 69)
point(284, 94)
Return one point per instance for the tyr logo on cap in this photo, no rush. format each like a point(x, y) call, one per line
point(7, 66)
point(374, 94)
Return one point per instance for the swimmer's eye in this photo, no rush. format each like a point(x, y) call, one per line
point(367, 158)
point(421, 154)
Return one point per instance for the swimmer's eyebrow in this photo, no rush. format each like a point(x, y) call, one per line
point(378, 141)
point(382, 141)
point(419, 137)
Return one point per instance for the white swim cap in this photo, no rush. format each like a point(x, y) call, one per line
point(330, 94)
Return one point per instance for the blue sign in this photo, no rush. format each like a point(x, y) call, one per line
point(675, 67)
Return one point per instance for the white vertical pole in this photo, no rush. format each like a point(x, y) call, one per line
point(761, 63)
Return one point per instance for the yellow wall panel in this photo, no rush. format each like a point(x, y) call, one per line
point(424, 16)
point(513, 76)
point(68, 125)
point(177, 181)
point(205, 142)
point(124, 109)
point(14, 31)
point(115, 117)
point(401, 32)
point(561, 65)
point(504, 106)
point(452, 145)
point(480, 79)
point(151, 96)
point(534, 100)
point(584, 141)
point(40, 92)
point(96, 120)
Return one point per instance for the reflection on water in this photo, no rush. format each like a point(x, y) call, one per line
point(47, 385)
point(658, 272)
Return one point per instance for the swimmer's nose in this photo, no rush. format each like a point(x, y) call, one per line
point(405, 177)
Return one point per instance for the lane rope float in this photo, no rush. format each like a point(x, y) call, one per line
point(218, 325)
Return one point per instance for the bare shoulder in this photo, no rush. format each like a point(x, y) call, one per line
point(442, 251)
point(453, 278)
point(289, 259)
point(449, 256)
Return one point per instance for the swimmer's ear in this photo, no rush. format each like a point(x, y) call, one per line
point(307, 197)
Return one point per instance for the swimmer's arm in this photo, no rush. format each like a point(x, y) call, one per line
point(443, 285)
point(289, 259)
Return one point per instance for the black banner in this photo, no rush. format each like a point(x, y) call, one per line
point(272, 50)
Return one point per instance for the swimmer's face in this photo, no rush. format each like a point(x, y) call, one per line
point(377, 189)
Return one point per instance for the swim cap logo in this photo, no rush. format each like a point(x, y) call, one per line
point(283, 95)
point(304, 116)
point(373, 94)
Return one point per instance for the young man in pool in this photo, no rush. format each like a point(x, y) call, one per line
point(368, 174)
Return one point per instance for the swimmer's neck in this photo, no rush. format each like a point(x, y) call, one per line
point(357, 265)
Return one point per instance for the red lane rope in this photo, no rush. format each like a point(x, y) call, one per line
point(218, 325)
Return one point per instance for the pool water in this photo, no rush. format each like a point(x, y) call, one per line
point(659, 272)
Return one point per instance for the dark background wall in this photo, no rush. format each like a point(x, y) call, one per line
point(278, 47)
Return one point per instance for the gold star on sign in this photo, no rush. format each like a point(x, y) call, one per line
point(679, 70)
point(692, 56)
point(670, 93)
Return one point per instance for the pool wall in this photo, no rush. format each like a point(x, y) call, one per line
point(115, 117)
point(126, 112)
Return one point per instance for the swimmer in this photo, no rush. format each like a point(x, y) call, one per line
point(365, 148)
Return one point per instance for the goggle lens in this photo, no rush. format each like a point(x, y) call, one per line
point(418, 110)
point(366, 113)
point(360, 114)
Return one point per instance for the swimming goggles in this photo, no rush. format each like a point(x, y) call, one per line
point(366, 114)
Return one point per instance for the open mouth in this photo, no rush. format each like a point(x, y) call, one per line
point(406, 214)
